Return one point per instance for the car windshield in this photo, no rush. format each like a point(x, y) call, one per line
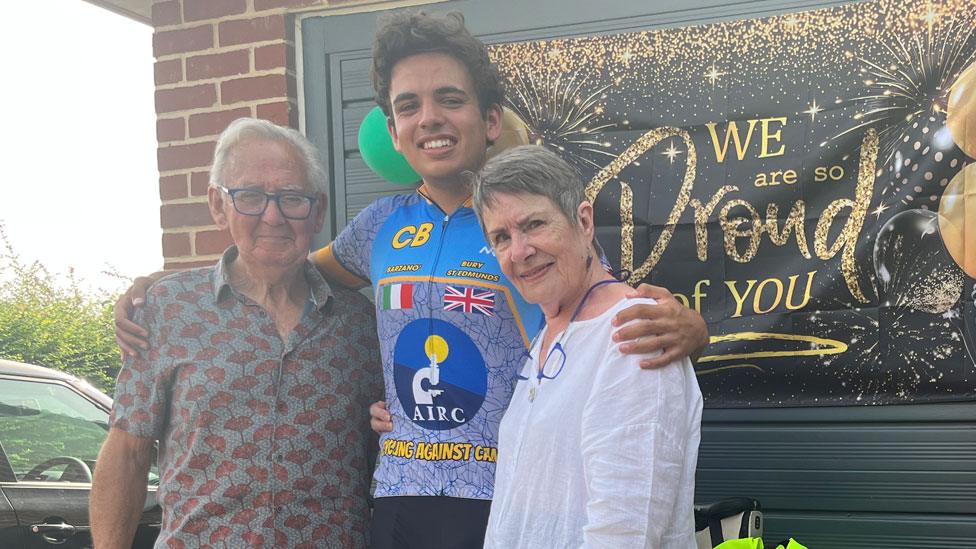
point(46, 427)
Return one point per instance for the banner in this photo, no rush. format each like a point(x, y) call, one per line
point(803, 181)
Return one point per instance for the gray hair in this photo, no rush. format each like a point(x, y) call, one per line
point(534, 170)
point(529, 169)
point(246, 129)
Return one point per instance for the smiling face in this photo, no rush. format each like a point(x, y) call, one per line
point(542, 252)
point(436, 122)
point(268, 241)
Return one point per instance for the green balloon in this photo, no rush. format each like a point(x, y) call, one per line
point(376, 147)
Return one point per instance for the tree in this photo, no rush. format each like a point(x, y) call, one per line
point(60, 325)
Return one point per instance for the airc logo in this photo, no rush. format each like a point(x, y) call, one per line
point(440, 376)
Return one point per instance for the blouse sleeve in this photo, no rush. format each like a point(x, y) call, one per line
point(633, 447)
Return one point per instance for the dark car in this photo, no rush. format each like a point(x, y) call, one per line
point(51, 428)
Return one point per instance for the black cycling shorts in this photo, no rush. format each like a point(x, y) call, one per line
point(429, 522)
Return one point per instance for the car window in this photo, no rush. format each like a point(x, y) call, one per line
point(49, 432)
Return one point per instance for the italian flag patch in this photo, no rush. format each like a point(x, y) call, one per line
point(397, 296)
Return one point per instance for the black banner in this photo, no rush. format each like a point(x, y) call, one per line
point(801, 180)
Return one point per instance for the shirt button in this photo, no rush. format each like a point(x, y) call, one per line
point(278, 509)
point(279, 457)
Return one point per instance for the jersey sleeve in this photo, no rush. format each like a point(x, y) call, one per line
point(347, 259)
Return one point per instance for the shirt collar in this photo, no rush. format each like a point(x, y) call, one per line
point(424, 192)
point(320, 289)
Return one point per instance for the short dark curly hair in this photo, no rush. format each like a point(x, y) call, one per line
point(403, 34)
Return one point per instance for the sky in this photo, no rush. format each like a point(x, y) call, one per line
point(79, 187)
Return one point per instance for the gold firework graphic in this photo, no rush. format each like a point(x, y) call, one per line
point(913, 81)
point(561, 114)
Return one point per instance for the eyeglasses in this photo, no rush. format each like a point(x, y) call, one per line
point(553, 366)
point(292, 205)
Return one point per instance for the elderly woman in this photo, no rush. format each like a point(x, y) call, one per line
point(259, 376)
point(593, 451)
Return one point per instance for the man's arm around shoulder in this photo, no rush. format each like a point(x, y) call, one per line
point(119, 489)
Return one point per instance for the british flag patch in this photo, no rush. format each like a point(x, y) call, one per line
point(469, 300)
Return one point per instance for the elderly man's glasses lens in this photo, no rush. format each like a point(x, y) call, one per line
point(292, 205)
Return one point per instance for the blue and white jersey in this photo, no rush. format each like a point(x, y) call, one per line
point(453, 334)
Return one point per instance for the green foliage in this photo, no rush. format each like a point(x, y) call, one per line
point(59, 325)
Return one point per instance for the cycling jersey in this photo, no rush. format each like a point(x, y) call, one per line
point(453, 334)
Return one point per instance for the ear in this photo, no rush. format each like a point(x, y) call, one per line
point(391, 127)
point(585, 213)
point(321, 205)
point(218, 200)
point(493, 121)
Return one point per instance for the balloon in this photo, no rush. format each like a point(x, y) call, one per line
point(957, 219)
point(912, 266)
point(961, 116)
point(376, 146)
point(514, 133)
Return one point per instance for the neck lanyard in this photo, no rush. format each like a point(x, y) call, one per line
point(540, 372)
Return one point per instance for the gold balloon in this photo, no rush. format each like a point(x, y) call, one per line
point(961, 116)
point(957, 219)
point(514, 133)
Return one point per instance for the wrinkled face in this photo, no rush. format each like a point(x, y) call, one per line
point(269, 240)
point(541, 251)
point(437, 124)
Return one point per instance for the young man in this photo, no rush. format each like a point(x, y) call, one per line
point(453, 331)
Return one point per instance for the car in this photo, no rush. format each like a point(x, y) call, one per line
point(52, 425)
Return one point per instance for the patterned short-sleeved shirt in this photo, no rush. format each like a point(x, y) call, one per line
point(263, 443)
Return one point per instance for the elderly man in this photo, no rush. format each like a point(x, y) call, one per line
point(259, 378)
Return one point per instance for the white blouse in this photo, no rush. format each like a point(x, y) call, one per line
point(603, 455)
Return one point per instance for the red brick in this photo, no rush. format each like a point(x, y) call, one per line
point(218, 64)
point(181, 99)
point(181, 157)
point(183, 40)
point(176, 244)
point(274, 56)
point(281, 113)
point(183, 265)
point(197, 10)
point(212, 242)
point(272, 4)
point(199, 183)
point(185, 215)
point(247, 31)
point(170, 129)
point(172, 187)
point(252, 88)
point(168, 72)
point(166, 13)
point(212, 123)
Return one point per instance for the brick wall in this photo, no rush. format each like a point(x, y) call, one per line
point(216, 60)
